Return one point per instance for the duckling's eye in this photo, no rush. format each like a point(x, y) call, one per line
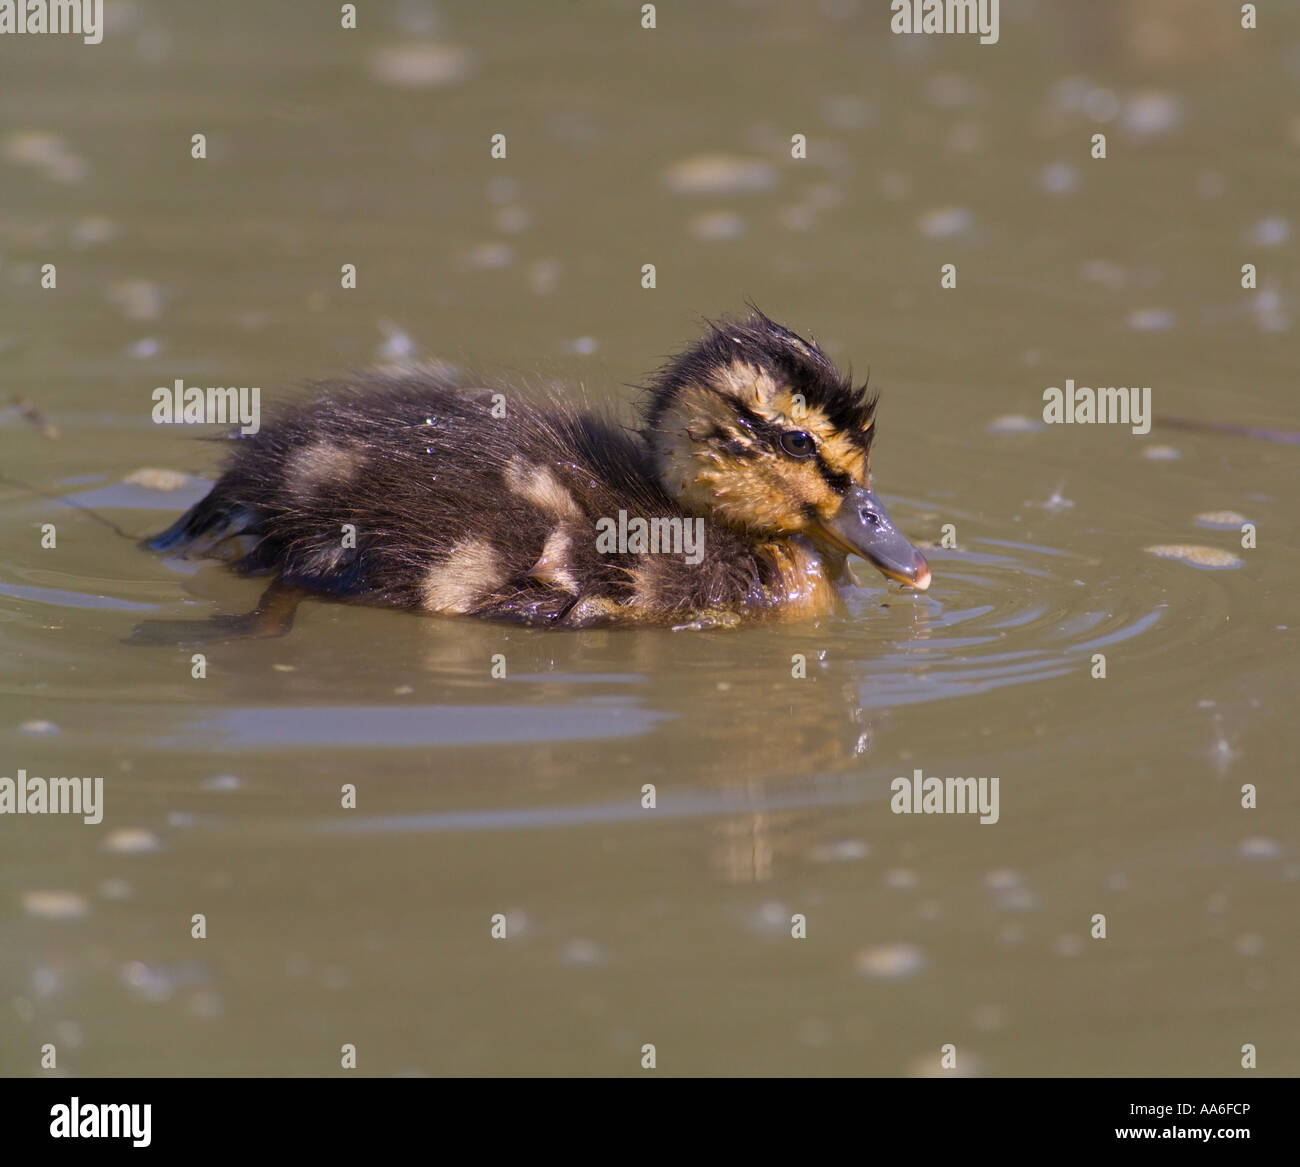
point(798, 443)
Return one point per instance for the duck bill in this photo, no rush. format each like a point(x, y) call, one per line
point(862, 527)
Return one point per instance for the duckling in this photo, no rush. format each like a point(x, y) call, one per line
point(737, 499)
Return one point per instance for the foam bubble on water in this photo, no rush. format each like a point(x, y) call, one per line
point(511, 220)
point(582, 954)
point(492, 255)
point(115, 889)
point(1068, 945)
point(147, 982)
point(1210, 184)
point(1101, 104)
point(840, 851)
point(1272, 231)
point(397, 344)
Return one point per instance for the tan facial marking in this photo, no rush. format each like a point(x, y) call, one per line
point(765, 490)
point(471, 571)
point(539, 486)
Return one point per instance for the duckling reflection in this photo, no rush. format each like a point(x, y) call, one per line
point(758, 754)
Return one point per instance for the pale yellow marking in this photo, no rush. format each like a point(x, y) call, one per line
point(539, 486)
point(469, 572)
point(320, 464)
point(552, 567)
point(805, 589)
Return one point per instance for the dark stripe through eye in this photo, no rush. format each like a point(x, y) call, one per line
point(837, 480)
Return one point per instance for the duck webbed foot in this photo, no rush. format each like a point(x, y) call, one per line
point(272, 617)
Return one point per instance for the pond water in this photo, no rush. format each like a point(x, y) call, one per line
point(521, 797)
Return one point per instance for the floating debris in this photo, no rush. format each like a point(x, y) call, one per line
point(945, 223)
point(136, 299)
point(91, 230)
point(720, 174)
point(1013, 423)
point(1209, 558)
point(1149, 114)
point(1152, 320)
point(890, 962)
point(131, 841)
point(1057, 502)
point(421, 66)
point(1249, 944)
point(1221, 520)
point(1162, 453)
point(154, 479)
point(55, 905)
point(901, 878)
point(1059, 178)
point(717, 226)
point(1270, 232)
point(39, 728)
point(397, 344)
point(45, 152)
point(1101, 271)
point(1259, 847)
point(29, 413)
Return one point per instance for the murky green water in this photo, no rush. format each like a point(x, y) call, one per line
point(522, 796)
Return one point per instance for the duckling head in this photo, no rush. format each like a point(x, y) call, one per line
point(755, 427)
